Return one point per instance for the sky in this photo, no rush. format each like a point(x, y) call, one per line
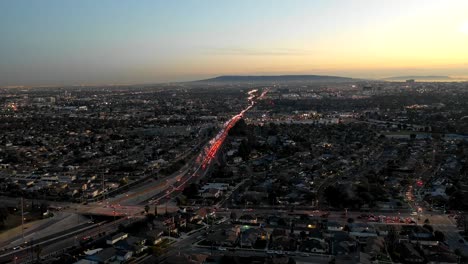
point(65, 42)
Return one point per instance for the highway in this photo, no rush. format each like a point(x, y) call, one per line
point(62, 241)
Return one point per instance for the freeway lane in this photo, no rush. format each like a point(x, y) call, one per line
point(59, 244)
point(208, 154)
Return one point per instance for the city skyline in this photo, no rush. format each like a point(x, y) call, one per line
point(109, 42)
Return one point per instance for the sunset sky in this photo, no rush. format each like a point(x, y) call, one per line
point(122, 41)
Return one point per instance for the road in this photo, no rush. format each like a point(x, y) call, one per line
point(59, 243)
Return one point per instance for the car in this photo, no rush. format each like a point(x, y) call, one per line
point(270, 252)
point(318, 250)
point(363, 216)
point(17, 248)
point(325, 215)
point(222, 249)
point(303, 254)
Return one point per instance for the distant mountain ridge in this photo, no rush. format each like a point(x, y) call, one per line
point(277, 78)
point(416, 77)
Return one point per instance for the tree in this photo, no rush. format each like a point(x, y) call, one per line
point(333, 195)
point(191, 191)
point(38, 250)
point(346, 228)
point(150, 217)
point(428, 227)
point(43, 207)
point(244, 150)
point(303, 235)
point(439, 236)
point(3, 215)
point(392, 238)
point(233, 215)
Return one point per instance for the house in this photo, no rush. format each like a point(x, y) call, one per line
point(166, 222)
point(439, 254)
point(83, 261)
point(180, 221)
point(131, 243)
point(105, 256)
point(154, 236)
point(314, 245)
point(225, 236)
point(212, 193)
point(279, 232)
point(374, 246)
point(114, 239)
point(186, 259)
point(123, 255)
point(334, 226)
point(422, 236)
point(306, 223)
point(247, 219)
point(383, 230)
point(277, 221)
point(250, 236)
point(409, 254)
point(342, 243)
point(362, 231)
point(204, 212)
point(283, 243)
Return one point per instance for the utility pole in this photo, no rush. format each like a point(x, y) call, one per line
point(22, 219)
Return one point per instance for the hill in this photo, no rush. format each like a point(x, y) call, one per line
point(420, 78)
point(277, 78)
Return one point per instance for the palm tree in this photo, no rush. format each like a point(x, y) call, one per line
point(38, 250)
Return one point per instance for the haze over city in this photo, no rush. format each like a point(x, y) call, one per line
point(57, 42)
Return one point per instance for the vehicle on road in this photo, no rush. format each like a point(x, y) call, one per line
point(318, 250)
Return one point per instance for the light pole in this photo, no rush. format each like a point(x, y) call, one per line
point(22, 219)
